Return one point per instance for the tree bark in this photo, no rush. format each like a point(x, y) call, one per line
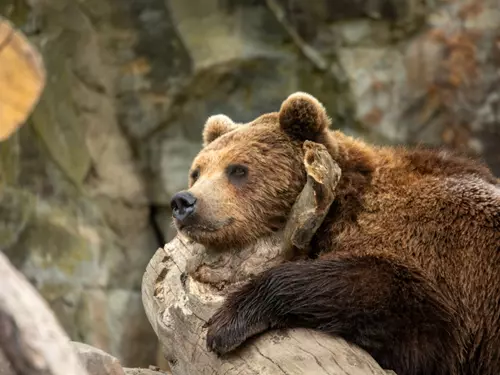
point(185, 283)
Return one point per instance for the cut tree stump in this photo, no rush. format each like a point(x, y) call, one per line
point(22, 78)
point(185, 283)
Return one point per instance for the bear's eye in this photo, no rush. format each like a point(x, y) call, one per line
point(236, 172)
point(195, 174)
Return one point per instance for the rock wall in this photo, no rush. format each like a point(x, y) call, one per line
point(85, 186)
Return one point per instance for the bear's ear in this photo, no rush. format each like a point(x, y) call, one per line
point(303, 117)
point(216, 126)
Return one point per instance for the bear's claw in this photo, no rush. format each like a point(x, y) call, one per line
point(224, 333)
point(227, 331)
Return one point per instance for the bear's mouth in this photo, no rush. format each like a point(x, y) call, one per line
point(198, 227)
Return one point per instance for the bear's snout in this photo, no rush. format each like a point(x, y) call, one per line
point(183, 205)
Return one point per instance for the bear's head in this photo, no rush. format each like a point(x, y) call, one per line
point(245, 180)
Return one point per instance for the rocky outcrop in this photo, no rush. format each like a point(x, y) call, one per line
point(77, 213)
point(85, 186)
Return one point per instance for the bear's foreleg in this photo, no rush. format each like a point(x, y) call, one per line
point(388, 309)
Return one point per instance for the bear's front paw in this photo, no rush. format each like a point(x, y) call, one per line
point(227, 331)
point(224, 333)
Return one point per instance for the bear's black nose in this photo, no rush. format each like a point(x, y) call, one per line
point(183, 205)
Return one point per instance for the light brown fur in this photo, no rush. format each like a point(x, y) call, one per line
point(432, 215)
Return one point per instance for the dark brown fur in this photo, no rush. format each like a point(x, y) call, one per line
point(406, 264)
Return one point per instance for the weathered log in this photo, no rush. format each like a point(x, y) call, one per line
point(185, 283)
point(31, 339)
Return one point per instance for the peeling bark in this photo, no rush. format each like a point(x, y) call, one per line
point(312, 205)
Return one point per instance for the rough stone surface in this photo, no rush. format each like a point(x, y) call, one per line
point(85, 185)
point(96, 361)
point(75, 212)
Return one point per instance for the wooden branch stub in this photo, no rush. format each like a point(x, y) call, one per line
point(31, 339)
point(22, 78)
point(312, 205)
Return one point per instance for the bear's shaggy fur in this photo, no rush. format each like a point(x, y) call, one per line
point(406, 265)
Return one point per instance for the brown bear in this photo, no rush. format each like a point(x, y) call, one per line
point(406, 264)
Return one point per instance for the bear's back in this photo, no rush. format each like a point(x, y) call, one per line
point(437, 210)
